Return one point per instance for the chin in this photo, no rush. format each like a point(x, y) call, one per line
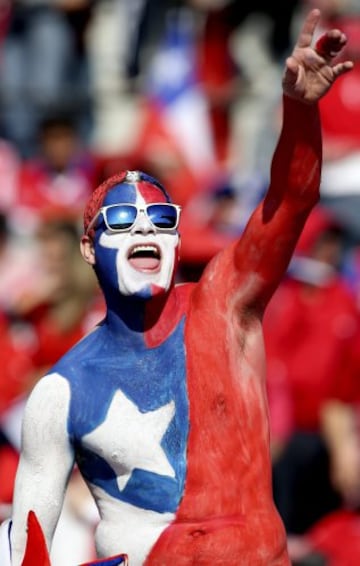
point(146, 286)
point(147, 292)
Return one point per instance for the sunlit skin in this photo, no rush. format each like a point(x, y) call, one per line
point(163, 406)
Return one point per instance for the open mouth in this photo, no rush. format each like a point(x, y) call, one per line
point(145, 257)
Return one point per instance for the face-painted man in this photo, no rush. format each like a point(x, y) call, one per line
point(163, 405)
point(135, 242)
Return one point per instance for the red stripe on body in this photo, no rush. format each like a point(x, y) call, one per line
point(227, 515)
point(158, 329)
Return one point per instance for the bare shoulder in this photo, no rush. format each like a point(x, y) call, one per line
point(51, 384)
point(49, 398)
point(227, 282)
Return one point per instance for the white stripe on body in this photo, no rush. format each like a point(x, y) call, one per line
point(127, 529)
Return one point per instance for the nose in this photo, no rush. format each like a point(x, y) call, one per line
point(143, 224)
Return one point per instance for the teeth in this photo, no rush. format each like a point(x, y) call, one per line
point(144, 249)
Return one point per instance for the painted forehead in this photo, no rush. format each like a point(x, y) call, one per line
point(134, 193)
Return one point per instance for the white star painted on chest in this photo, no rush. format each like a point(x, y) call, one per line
point(129, 439)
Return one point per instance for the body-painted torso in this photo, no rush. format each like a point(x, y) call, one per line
point(218, 510)
point(205, 492)
point(128, 391)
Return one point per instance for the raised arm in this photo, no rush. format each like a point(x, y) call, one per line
point(265, 249)
point(45, 464)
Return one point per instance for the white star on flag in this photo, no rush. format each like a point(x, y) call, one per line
point(129, 439)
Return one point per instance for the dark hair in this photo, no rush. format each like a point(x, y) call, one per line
point(54, 120)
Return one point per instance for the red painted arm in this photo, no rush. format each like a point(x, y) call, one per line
point(252, 268)
point(265, 249)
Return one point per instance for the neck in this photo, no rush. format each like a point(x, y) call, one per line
point(132, 316)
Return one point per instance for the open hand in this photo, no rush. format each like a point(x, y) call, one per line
point(310, 71)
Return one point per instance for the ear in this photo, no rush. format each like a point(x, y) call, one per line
point(87, 249)
point(179, 249)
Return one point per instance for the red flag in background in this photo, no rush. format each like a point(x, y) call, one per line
point(176, 108)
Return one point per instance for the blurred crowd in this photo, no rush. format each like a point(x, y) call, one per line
point(190, 92)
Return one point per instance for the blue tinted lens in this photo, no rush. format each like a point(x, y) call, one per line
point(121, 217)
point(162, 215)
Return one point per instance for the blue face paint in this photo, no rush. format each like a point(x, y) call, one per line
point(105, 267)
point(138, 262)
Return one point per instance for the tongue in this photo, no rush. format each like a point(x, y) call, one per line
point(144, 263)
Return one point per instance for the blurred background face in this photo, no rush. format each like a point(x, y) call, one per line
point(58, 145)
point(63, 272)
point(328, 248)
point(139, 261)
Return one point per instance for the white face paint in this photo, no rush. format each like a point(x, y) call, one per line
point(146, 257)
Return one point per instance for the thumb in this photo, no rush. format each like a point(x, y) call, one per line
point(290, 76)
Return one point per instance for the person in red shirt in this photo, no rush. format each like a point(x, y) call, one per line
point(62, 174)
point(311, 331)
